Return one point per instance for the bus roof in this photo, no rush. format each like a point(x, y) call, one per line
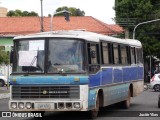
point(81, 34)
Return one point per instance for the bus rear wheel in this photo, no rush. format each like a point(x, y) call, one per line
point(126, 103)
point(94, 113)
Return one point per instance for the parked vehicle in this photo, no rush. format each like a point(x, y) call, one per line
point(3, 80)
point(155, 82)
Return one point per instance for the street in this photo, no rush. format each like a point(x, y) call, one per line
point(144, 103)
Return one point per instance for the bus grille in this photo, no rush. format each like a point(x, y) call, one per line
point(29, 92)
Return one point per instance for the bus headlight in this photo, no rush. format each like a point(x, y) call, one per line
point(76, 105)
point(13, 105)
point(21, 105)
point(28, 105)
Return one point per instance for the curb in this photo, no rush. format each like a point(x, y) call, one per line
point(4, 95)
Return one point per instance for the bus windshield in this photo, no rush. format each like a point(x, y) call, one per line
point(65, 55)
point(62, 56)
point(29, 56)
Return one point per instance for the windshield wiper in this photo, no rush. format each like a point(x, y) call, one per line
point(29, 67)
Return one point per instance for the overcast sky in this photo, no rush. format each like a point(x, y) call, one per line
point(100, 9)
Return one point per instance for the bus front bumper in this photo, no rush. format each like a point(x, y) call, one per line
point(46, 105)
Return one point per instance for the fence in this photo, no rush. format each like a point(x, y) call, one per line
point(5, 70)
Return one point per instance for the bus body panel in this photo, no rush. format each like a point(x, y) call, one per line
point(115, 83)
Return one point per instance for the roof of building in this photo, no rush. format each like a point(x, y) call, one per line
point(11, 26)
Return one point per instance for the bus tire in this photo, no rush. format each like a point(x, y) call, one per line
point(94, 113)
point(126, 103)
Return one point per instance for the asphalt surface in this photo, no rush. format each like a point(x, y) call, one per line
point(4, 92)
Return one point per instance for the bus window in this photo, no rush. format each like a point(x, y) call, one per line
point(105, 53)
point(65, 55)
point(139, 56)
point(124, 59)
point(116, 54)
point(128, 55)
point(133, 56)
point(93, 58)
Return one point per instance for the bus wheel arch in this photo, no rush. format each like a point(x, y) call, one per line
point(131, 89)
point(101, 97)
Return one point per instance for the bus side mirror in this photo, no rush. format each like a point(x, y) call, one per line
point(11, 56)
point(93, 54)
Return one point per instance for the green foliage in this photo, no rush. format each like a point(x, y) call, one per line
point(131, 12)
point(73, 10)
point(21, 13)
point(4, 57)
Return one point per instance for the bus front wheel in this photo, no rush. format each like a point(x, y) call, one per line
point(94, 113)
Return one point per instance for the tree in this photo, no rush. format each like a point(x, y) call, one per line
point(4, 57)
point(21, 13)
point(73, 10)
point(129, 13)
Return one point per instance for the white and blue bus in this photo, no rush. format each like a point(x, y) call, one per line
point(74, 71)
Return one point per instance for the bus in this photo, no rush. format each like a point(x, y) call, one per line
point(74, 71)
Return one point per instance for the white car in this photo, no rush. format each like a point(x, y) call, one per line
point(155, 82)
point(3, 80)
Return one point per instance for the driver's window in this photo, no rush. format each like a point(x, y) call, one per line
point(93, 57)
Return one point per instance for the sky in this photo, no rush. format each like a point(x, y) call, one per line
point(99, 9)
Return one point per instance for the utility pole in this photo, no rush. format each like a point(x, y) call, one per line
point(142, 24)
point(134, 38)
point(42, 27)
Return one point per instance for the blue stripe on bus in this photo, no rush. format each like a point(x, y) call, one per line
point(106, 76)
point(140, 72)
point(116, 75)
point(49, 80)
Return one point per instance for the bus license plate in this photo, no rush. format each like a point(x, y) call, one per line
point(44, 106)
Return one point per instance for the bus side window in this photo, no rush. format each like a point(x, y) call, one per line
point(128, 55)
point(105, 53)
point(116, 54)
point(133, 55)
point(139, 56)
point(93, 57)
point(124, 59)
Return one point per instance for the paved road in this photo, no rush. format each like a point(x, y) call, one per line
point(4, 92)
point(144, 103)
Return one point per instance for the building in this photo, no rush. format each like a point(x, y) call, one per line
point(3, 12)
point(13, 26)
